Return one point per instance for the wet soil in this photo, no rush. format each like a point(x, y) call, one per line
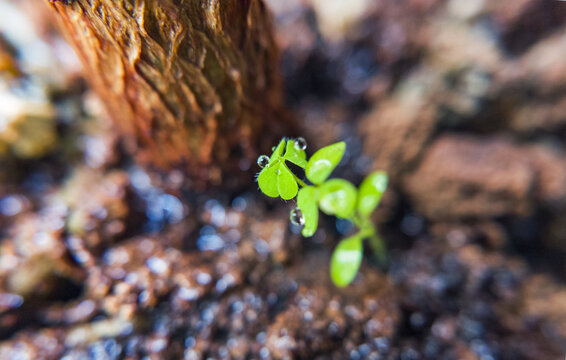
point(103, 259)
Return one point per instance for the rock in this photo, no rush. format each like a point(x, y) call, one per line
point(397, 129)
point(550, 169)
point(539, 71)
point(488, 233)
point(462, 177)
point(543, 301)
point(97, 216)
point(34, 261)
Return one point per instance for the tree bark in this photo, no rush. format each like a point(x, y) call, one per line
point(192, 82)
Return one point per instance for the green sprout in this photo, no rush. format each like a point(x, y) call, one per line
point(336, 197)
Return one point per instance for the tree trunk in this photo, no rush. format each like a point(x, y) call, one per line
point(192, 82)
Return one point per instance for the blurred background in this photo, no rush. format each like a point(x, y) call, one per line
point(463, 103)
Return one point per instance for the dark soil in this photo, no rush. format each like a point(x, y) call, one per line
point(463, 107)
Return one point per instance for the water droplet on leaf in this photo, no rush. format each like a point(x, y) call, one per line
point(300, 143)
point(297, 217)
point(263, 161)
point(273, 148)
point(278, 172)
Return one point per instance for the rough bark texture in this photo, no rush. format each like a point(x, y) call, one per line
point(192, 82)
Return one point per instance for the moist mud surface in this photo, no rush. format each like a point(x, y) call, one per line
point(464, 107)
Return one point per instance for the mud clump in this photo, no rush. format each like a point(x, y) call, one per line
point(463, 177)
point(463, 301)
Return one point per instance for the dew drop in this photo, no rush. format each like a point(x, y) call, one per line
point(300, 143)
point(278, 172)
point(273, 148)
point(297, 217)
point(263, 161)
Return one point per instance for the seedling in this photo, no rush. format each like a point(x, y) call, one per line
point(336, 197)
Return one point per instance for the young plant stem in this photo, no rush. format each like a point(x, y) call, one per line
point(378, 247)
point(336, 197)
point(364, 224)
point(368, 231)
point(299, 181)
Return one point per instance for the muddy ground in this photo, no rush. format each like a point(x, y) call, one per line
point(463, 104)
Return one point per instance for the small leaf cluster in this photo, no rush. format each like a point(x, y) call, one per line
point(335, 196)
point(275, 179)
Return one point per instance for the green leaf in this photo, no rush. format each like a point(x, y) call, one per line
point(371, 191)
point(306, 201)
point(267, 181)
point(297, 157)
point(286, 183)
point(278, 152)
point(337, 197)
point(346, 261)
point(324, 161)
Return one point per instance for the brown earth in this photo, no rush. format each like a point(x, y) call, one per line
point(102, 259)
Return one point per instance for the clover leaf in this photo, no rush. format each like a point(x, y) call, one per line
point(275, 179)
point(278, 152)
point(324, 161)
point(294, 155)
point(267, 181)
point(286, 183)
point(346, 260)
point(307, 202)
point(371, 191)
point(337, 197)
